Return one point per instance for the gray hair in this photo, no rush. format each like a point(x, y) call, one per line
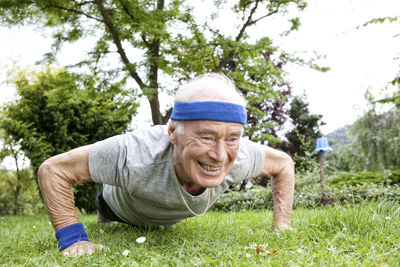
point(210, 87)
point(178, 125)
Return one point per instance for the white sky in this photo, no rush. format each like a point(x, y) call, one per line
point(360, 59)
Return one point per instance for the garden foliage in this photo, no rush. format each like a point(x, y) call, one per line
point(371, 144)
point(26, 201)
point(347, 189)
point(386, 177)
point(57, 111)
point(301, 139)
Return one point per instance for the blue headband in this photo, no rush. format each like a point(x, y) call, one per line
point(209, 110)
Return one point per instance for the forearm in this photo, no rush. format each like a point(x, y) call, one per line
point(282, 186)
point(57, 196)
point(56, 177)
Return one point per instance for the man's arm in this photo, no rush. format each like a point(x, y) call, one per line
point(56, 176)
point(280, 167)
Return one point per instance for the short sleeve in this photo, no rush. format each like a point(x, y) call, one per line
point(107, 161)
point(123, 160)
point(249, 162)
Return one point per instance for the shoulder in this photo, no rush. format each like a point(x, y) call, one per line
point(247, 148)
point(131, 154)
point(249, 160)
point(137, 147)
point(148, 146)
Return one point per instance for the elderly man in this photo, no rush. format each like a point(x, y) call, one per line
point(160, 176)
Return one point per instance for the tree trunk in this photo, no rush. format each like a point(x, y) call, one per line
point(153, 99)
point(18, 185)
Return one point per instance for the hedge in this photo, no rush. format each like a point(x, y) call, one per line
point(260, 198)
point(386, 177)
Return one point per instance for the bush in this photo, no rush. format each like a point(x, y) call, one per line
point(28, 200)
point(386, 177)
point(255, 199)
point(348, 195)
point(260, 198)
point(395, 176)
point(85, 195)
point(308, 181)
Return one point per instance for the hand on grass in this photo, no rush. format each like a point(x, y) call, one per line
point(281, 227)
point(81, 248)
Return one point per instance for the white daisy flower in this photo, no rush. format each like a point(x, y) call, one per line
point(140, 239)
point(125, 252)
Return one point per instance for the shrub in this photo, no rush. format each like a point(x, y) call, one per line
point(260, 198)
point(395, 176)
point(255, 199)
point(85, 195)
point(386, 177)
point(26, 200)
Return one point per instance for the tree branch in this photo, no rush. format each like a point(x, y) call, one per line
point(126, 9)
point(154, 53)
point(240, 35)
point(247, 23)
point(117, 41)
point(75, 11)
point(144, 40)
point(167, 115)
point(263, 17)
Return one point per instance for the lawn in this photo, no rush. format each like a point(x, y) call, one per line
point(365, 235)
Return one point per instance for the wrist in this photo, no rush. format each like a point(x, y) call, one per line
point(70, 235)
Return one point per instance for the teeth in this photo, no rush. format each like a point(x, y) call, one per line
point(210, 168)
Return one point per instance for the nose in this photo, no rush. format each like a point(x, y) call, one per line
point(218, 152)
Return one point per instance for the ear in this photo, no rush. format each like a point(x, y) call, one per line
point(172, 133)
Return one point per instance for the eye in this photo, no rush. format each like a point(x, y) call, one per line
point(233, 140)
point(206, 139)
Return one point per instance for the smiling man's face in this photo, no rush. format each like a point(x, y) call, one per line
point(204, 153)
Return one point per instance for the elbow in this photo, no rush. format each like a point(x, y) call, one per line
point(290, 162)
point(45, 170)
point(287, 170)
point(287, 162)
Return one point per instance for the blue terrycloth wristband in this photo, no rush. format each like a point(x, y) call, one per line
point(209, 110)
point(70, 235)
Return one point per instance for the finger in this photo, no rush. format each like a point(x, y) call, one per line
point(65, 253)
point(99, 246)
point(82, 248)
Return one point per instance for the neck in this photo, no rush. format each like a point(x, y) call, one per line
point(194, 190)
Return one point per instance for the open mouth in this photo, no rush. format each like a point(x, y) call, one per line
point(209, 168)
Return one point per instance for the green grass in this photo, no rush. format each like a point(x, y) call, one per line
point(366, 235)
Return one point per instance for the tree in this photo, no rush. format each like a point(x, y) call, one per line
point(302, 138)
point(375, 141)
point(11, 148)
point(160, 44)
point(396, 81)
point(339, 158)
point(57, 111)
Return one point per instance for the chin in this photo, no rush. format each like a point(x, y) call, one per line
point(210, 182)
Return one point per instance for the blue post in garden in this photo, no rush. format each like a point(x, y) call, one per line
point(321, 147)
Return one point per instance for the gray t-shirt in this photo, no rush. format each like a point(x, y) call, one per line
point(140, 182)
